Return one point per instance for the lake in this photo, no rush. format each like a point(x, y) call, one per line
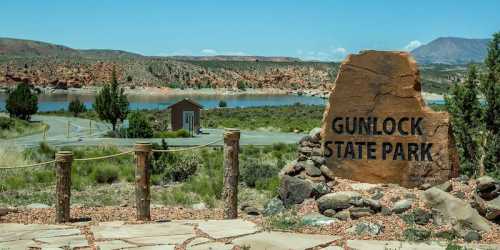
point(53, 102)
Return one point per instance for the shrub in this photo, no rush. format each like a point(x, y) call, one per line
point(6, 123)
point(139, 126)
point(76, 107)
point(253, 170)
point(106, 173)
point(415, 234)
point(222, 104)
point(21, 103)
point(181, 133)
point(183, 167)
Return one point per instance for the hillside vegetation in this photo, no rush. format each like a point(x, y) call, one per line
point(49, 65)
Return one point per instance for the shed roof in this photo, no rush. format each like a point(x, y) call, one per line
point(188, 101)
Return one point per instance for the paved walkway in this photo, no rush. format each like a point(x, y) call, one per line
point(80, 135)
point(184, 234)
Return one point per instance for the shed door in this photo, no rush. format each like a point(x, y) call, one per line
point(188, 121)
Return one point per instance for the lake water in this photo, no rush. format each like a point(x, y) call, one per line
point(53, 102)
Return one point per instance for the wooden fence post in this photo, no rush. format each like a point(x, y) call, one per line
point(142, 175)
point(231, 173)
point(63, 185)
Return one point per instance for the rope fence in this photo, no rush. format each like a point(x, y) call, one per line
point(143, 155)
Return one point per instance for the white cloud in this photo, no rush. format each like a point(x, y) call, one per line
point(412, 45)
point(340, 50)
point(209, 51)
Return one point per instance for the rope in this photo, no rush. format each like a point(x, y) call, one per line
point(104, 157)
point(186, 149)
point(30, 165)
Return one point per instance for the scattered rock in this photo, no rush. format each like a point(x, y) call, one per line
point(401, 206)
point(273, 206)
point(327, 172)
point(311, 169)
point(363, 186)
point(463, 179)
point(251, 210)
point(366, 228)
point(485, 183)
point(317, 219)
point(446, 186)
point(294, 190)
point(358, 212)
point(37, 205)
point(318, 160)
point(338, 200)
point(320, 189)
point(378, 195)
point(343, 215)
point(459, 194)
point(315, 134)
point(373, 204)
point(385, 211)
point(472, 236)
point(5, 211)
point(329, 212)
point(452, 208)
point(490, 209)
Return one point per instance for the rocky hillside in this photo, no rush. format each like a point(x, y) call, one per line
point(452, 50)
point(49, 65)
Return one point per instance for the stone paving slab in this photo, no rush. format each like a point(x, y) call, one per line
point(400, 245)
point(211, 246)
point(113, 244)
point(219, 229)
point(20, 236)
point(283, 241)
point(113, 231)
point(157, 240)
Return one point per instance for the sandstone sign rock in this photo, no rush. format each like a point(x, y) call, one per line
point(377, 128)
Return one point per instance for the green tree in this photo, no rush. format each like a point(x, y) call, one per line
point(139, 126)
point(465, 109)
point(76, 107)
point(490, 88)
point(222, 104)
point(111, 103)
point(21, 103)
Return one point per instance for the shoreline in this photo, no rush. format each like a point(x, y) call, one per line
point(165, 91)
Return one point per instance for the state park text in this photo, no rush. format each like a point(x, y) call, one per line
point(373, 150)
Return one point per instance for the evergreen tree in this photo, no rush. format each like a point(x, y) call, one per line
point(490, 88)
point(111, 103)
point(76, 107)
point(465, 110)
point(139, 126)
point(21, 103)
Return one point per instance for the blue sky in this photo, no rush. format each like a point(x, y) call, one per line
point(308, 29)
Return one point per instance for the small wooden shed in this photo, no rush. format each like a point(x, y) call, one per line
point(185, 114)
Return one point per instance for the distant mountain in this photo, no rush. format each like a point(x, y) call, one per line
point(452, 50)
point(238, 58)
point(24, 48)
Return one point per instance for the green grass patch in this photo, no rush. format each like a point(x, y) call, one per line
point(13, 128)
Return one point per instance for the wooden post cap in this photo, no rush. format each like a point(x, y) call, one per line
point(143, 146)
point(64, 156)
point(231, 134)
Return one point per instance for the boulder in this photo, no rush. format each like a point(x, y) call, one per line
point(366, 228)
point(378, 195)
point(273, 206)
point(329, 212)
point(338, 200)
point(251, 210)
point(358, 212)
point(317, 219)
point(490, 209)
point(327, 172)
point(363, 186)
point(342, 215)
point(315, 134)
point(401, 206)
point(311, 169)
point(320, 189)
point(372, 87)
point(318, 160)
point(372, 204)
point(472, 236)
point(485, 183)
point(294, 190)
point(455, 210)
point(446, 186)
